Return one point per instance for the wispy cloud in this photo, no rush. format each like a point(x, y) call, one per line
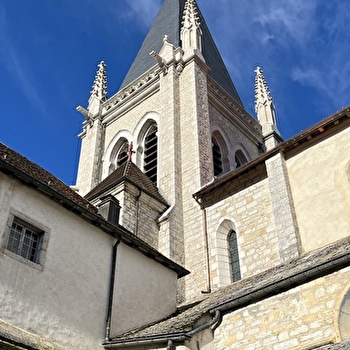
point(142, 11)
point(296, 40)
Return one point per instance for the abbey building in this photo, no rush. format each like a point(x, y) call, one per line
point(192, 225)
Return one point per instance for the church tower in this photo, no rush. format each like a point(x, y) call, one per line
point(180, 110)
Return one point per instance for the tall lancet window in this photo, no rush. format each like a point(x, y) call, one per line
point(151, 153)
point(217, 157)
point(122, 155)
point(233, 255)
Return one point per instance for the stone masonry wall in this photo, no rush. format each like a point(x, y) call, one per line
point(197, 170)
point(146, 226)
point(305, 317)
point(250, 210)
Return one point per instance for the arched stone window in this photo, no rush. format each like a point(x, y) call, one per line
point(221, 162)
point(240, 158)
point(344, 317)
point(118, 155)
point(217, 157)
point(233, 256)
point(150, 159)
point(122, 155)
point(227, 254)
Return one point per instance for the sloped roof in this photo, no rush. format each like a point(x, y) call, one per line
point(309, 267)
point(168, 22)
point(12, 162)
point(127, 172)
point(15, 165)
point(296, 143)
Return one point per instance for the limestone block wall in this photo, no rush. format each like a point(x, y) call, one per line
point(197, 170)
point(89, 170)
point(171, 231)
point(319, 180)
point(251, 214)
point(302, 318)
point(139, 215)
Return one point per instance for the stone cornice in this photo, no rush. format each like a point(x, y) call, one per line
point(233, 111)
point(134, 92)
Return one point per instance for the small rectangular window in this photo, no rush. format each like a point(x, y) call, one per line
point(25, 240)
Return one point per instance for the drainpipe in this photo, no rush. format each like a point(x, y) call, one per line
point(206, 243)
point(215, 323)
point(111, 291)
point(137, 211)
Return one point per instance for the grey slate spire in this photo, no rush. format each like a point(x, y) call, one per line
point(169, 22)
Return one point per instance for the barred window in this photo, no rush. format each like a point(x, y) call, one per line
point(233, 255)
point(151, 154)
point(25, 240)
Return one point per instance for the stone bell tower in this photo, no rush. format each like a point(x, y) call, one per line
point(181, 111)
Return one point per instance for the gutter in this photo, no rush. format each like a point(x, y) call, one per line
point(170, 341)
point(284, 148)
point(291, 279)
point(276, 287)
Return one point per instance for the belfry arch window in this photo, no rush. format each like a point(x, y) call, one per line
point(240, 158)
point(233, 256)
point(344, 316)
point(118, 155)
point(217, 157)
point(150, 160)
point(122, 155)
point(221, 162)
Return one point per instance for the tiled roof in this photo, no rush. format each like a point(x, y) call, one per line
point(13, 162)
point(15, 165)
point(272, 282)
point(168, 22)
point(126, 172)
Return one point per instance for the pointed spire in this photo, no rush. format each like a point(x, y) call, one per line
point(191, 33)
point(99, 87)
point(265, 109)
point(98, 93)
point(169, 21)
point(262, 91)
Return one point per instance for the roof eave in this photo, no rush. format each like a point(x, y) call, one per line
point(295, 143)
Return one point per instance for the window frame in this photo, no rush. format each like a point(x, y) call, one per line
point(43, 232)
point(152, 157)
point(233, 252)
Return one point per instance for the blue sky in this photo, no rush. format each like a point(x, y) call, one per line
point(50, 51)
